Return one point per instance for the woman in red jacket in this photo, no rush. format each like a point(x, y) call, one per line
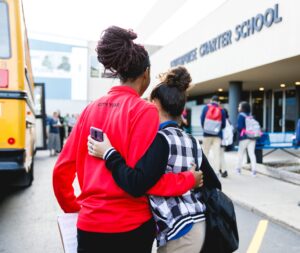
point(110, 220)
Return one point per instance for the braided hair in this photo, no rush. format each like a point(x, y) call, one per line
point(119, 54)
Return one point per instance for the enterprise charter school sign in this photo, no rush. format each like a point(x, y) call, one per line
point(242, 31)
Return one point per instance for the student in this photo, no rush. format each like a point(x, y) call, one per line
point(110, 220)
point(54, 137)
point(244, 141)
point(184, 124)
point(180, 220)
point(213, 120)
point(227, 140)
point(62, 130)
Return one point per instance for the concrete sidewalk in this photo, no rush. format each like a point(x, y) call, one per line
point(273, 198)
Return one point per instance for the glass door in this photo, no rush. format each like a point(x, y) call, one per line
point(257, 103)
point(284, 112)
point(278, 111)
point(290, 110)
point(40, 116)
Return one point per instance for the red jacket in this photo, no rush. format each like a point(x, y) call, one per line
point(131, 125)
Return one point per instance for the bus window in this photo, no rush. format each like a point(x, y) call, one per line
point(4, 31)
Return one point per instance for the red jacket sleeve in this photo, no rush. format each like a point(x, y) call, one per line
point(65, 171)
point(148, 171)
point(172, 184)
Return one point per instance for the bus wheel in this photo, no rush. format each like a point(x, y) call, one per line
point(25, 178)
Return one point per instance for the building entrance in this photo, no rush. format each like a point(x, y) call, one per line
point(284, 111)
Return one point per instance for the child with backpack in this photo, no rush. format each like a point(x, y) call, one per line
point(213, 120)
point(249, 130)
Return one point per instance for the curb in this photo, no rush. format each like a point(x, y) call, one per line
point(263, 214)
point(280, 174)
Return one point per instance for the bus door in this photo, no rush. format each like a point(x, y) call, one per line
point(40, 116)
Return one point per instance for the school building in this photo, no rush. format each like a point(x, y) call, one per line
point(70, 73)
point(243, 51)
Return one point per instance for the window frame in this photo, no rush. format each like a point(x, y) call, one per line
point(9, 55)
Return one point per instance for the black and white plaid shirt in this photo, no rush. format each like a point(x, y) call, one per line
point(172, 214)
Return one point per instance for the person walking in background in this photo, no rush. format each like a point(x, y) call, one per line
point(245, 142)
point(109, 219)
point(213, 120)
point(71, 123)
point(227, 140)
point(54, 138)
point(180, 220)
point(184, 124)
point(67, 119)
point(62, 132)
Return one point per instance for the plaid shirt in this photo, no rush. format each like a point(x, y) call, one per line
point(172, 214)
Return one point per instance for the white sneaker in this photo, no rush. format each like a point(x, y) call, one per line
point(238, 171)
point(253, 173)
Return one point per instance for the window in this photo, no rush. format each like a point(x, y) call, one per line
point(290, 110)
point(4, 31)
point(257, 105)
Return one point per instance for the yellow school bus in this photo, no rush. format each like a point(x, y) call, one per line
point(17, 117)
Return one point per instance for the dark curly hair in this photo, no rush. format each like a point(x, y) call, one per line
point(119, 54)
point(245, 107)
point(171, 92)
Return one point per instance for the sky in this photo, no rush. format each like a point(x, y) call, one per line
point(157, 22)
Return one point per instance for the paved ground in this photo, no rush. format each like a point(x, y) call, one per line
point(274, 198)
point(28, 216)
point(277, 239)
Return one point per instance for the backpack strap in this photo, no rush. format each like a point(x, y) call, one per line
point(243, 132)
point(194, 151)
point(245, 115)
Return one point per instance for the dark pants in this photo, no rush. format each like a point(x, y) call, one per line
point(139, 240)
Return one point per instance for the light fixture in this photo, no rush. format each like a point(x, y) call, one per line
point(220, 90)
point(297, 83)
point(282, 85)
point(261, 88)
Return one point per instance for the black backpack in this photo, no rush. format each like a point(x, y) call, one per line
point(221, 226)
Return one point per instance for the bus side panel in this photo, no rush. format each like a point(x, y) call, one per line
point(30, 137)
point(12, 124)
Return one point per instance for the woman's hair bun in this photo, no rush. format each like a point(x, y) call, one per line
point(124, 34)
point(119, 54)
point(177, 77)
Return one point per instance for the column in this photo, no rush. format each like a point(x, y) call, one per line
point(235, 94)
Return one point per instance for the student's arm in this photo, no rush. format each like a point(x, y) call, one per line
point(148, 175)
point(52, 123)
point(241, 123)
point(64, 173)
point(203, 115)
point(223, 119)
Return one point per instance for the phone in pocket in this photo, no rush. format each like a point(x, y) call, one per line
point(96, 134)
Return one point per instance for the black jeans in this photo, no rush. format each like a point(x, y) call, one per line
point(139, 240)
